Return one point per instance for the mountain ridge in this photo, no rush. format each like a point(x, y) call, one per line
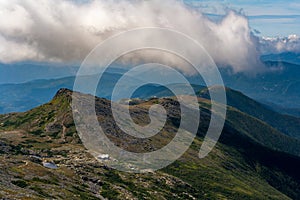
point(48, 132)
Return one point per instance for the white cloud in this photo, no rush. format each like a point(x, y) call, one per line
point(61, 30)
point(276, 45)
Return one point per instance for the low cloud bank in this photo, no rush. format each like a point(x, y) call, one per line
point(277, 45)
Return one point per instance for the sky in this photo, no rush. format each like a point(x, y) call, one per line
point(66, 31)
point(270, 17)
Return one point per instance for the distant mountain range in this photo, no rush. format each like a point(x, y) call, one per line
point(30, 71)
point(287, 57)
point(252, 160)
point(279, 88)
point(25, 96)
point(286, 124)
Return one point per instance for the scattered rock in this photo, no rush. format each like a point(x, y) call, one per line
point(36, 159)
point(103, 157)
point(50, 165)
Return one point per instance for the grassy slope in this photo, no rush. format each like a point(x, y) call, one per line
point(238, 168)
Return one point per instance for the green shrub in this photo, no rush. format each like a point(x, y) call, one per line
point(20, 183)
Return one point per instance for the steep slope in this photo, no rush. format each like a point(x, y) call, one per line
point(286, 124)
point(287, 111)
point(240, 167)
point(280, 85)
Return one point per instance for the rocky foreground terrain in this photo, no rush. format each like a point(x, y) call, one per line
point(42, 157)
